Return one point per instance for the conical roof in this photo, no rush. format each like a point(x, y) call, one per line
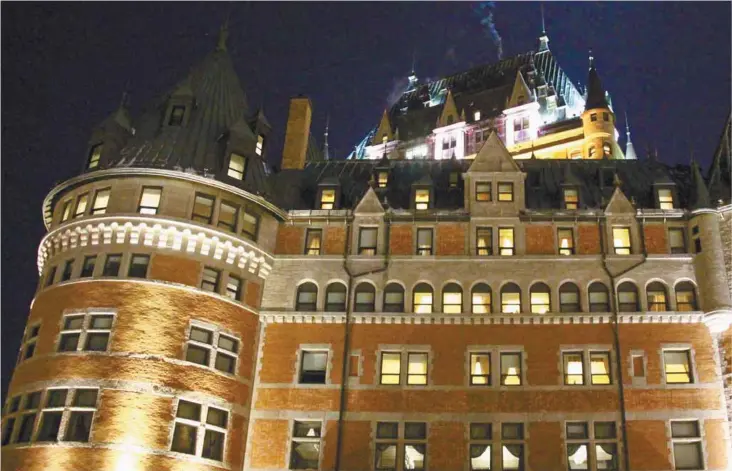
point(700, 195)
point(595, 92)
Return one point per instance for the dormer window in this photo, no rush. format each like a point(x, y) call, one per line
point(259, 149)
point(665, 198)
point(571, 198)
point(476, 116)
point(422, 199)
point(236, 166)
point(454, 178)
point(327, 198)
point(505, 192)
point(176, 115)
point(382, 177)
point(482, 191)
point(95, 153)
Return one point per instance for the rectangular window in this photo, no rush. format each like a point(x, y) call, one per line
point(639, 367)
point(621, 240)
point(259, 149)
point(483, 192)
point(505, 241)
point(480, 369)
point(593, 117)
point(565, 239)
point(512, 446)
point(571, 198)
point(176, 115)
point(510, 369)
point(203, 208)
point(138, 265)
point(600, 368)
point(400, 442)
point(391, 364)
point(677, 240)
point(95, 154)
point(233, 288)
point(422, 199)
point(591, 445)
point(149, 200)
point(313, 365)
point(250, 225)
point(505, 192)
point(665, 198)
point(327, 198)
point(687, 444)
point(480, 447)
point(211, 348)
point(573, 368)
point(65, 415)
point(484, 241)
point(313, 240)
point(417, 368)
point(424, 241)
point(228, 214)
point(28, 349)
point(51, 276)
point(101, 200)
point(382, 178)
point(66, 211)
point(677, 366)
point(306, 446)
point(367, 241)
point(454, 179)
point(476, 116)
point(87, 269)
point(31, 404)
point(68, 270)
point(112, 264)
point(236, 166)
point(81, 204)
point(85, 332)
point(200, 430)
point(210, 280)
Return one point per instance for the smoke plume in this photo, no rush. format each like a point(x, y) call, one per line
point(484, 10)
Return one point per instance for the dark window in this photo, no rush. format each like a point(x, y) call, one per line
point(697, 245)
point(484, 241)
point(95, 154)
point(305, 446)
point(210, 280)
point(365, 298)
point(695, 230)
point(605, 116)
point(50, 425)
point(599, 297)
point(112, 264)
point(367, 241)
point(313, 241)
point(68, 268)
point(571, 198)
point(184, 435)
point(393, 298)
point(138, 266)
point(424, 241)
point(87, 269)
point(593, 117)
point(335, 298)
point(307, 295)
point(228, 214)
point(176, 115)
point(454, 179)
point(483, 191)
point(569, 298)
point(203, 208)
point(233, 288)
point(656, 297)
point(685, 297)
point(97, 335)
point(628, 297)
point(50, 276)
point(313, 367)
point(250, 225)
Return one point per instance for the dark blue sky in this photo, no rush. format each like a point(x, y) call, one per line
point(65, 65)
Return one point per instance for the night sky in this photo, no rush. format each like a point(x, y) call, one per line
point(65, 66)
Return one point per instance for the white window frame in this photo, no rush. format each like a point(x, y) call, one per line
point(213, 347)
point(293, 439)
point(693, 373)
point(85, 329)
point(313, 348)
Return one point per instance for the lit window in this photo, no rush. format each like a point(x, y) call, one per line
point(236, 166)
point(481, 299)
point(565, 237)
point(28, 348)
point(512, 446)
point(422, 301)
point(476, 116)
point(505, 192)
point(228, 214)
point(571, 198)
point(176, 115)
point(600, 448)
point(677, 366)
point(573, 368)
point(422, 199)
point(424, 241)
point(540, 298)
point(685, 297)
point(397, 442)
point(482, 192)
point(313, 239)
point(200, 430)
point(593, 152)
point(521, 129)
point(480, 447)
point(416, 368)
point(687, 444)
point(367, 241)
point(95, 154)
point(621, 240)
point(480, 369)
point(510, 369)
point(327, 198)
point(382, 179)
point(628, 297)
point(600, 368)
point(112, 264)
point(384, 139)
point(233, 288)
point(452, 299)
point(68, 270)
point(656, 297)
point(211, 348)
point(606, 149)
point(665, 198)
point(511, 299)
point(599, 298)
point(307, 295)
point(448, 145)
point(138, 266)
point(505, 241)
point(66, 211)
point(677, 240)
point(259, 149)
point(484, 241)
point(593, 117)
point(203, 208)
point(391, 363)
point(50, 276)
point(81, 205)
point(569, 298)
point(313, 365)
point(85, 332)
point(305, 448)
point(101, 200)
point(394, 298)
point(87, 268)
point(365, 298)
point(149, 200)
point(335, 298)
point(210, 280)
point(250, 225)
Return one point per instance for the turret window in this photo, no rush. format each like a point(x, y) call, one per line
point(665, 198)
point(95, 154)
point(228, 214)
point(112, 264)
point(605, 116)
point(250, 225)
point(101, 200)
point(81, 204)
point(87, 332)
point(138, 266)
point(203, 208)
point(211, 348)
point(28, 349)
point(571, 198)
point(68, 269)
point(259, 148)
point(200, 430)
point(149, 200)
point(210, 280)
point(236, 166)
point(233, 288)
point(176, 115)
point(505, 192)
point(87, 269)
point(593, 152)
point(66, 211)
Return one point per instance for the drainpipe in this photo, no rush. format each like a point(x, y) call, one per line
point(616, 329)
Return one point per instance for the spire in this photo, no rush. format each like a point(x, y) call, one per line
point(326, 156)
point(595, 93)
point(223, 36)
point(700, 195)
point(629, 149)
point(543, 39)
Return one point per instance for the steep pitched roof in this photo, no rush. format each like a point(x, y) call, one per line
point(520, 93)
point(384, 130)
point(595, 92)
point(493, 157)
point(449, 109)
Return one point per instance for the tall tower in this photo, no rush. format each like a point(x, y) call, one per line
point(598, 120)
point(142, 336)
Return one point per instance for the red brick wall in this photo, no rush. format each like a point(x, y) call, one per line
point(335, 241)
point(648, 445)
point(655, 238)
point(539, 239)
point(400, 240)
point(290, 240)
point(588, 239)
point(252, 294)
point(269, 444)
point(447, 446)
point(450, 239)
point(545, 442)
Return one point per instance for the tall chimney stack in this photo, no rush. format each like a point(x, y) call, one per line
point(297, 133)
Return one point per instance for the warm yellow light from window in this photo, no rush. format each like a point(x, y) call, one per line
point(236, 167)
point(573, 369)
point(621, 240)
point(505, 241)
point(452, 303)
point(260, 145)
point(599, 370)
point(512, 377)
point(422, 199)
point(481, 303)
point(539, 303)
point(665, 199)
point(571, 198)
point(423, 303)
point(390, 368)
point(417, 369)
point(505, 192)
point(677, 367)
point(327, 199)
point(511, 303)
point(383, 178)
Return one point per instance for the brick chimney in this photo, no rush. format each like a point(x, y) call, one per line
point(297, 133)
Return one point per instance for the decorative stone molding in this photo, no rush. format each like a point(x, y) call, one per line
point(718, 321)
point(155, 232)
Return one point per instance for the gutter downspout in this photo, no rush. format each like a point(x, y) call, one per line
point(616, 329)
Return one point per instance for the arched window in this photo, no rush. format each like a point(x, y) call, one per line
point(482, 299)
point(656, 297)
point(365, 298)
point(685, 297)
point(307, 297)
point(452, 299)
point(393, 298)
point(599, 297)
point(540, 298)
point(335, 297)
point(511, 299)
point(628, 297)
point(569, 298)
point(422, 299)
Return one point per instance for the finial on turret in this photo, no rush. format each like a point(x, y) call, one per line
point(223, 35)
point(326, 155)
point(543, 26)
point(543, 39)
point(592, 59)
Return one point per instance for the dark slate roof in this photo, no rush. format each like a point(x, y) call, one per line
point(595, 92)
point(720, 173)
point(297, 189)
